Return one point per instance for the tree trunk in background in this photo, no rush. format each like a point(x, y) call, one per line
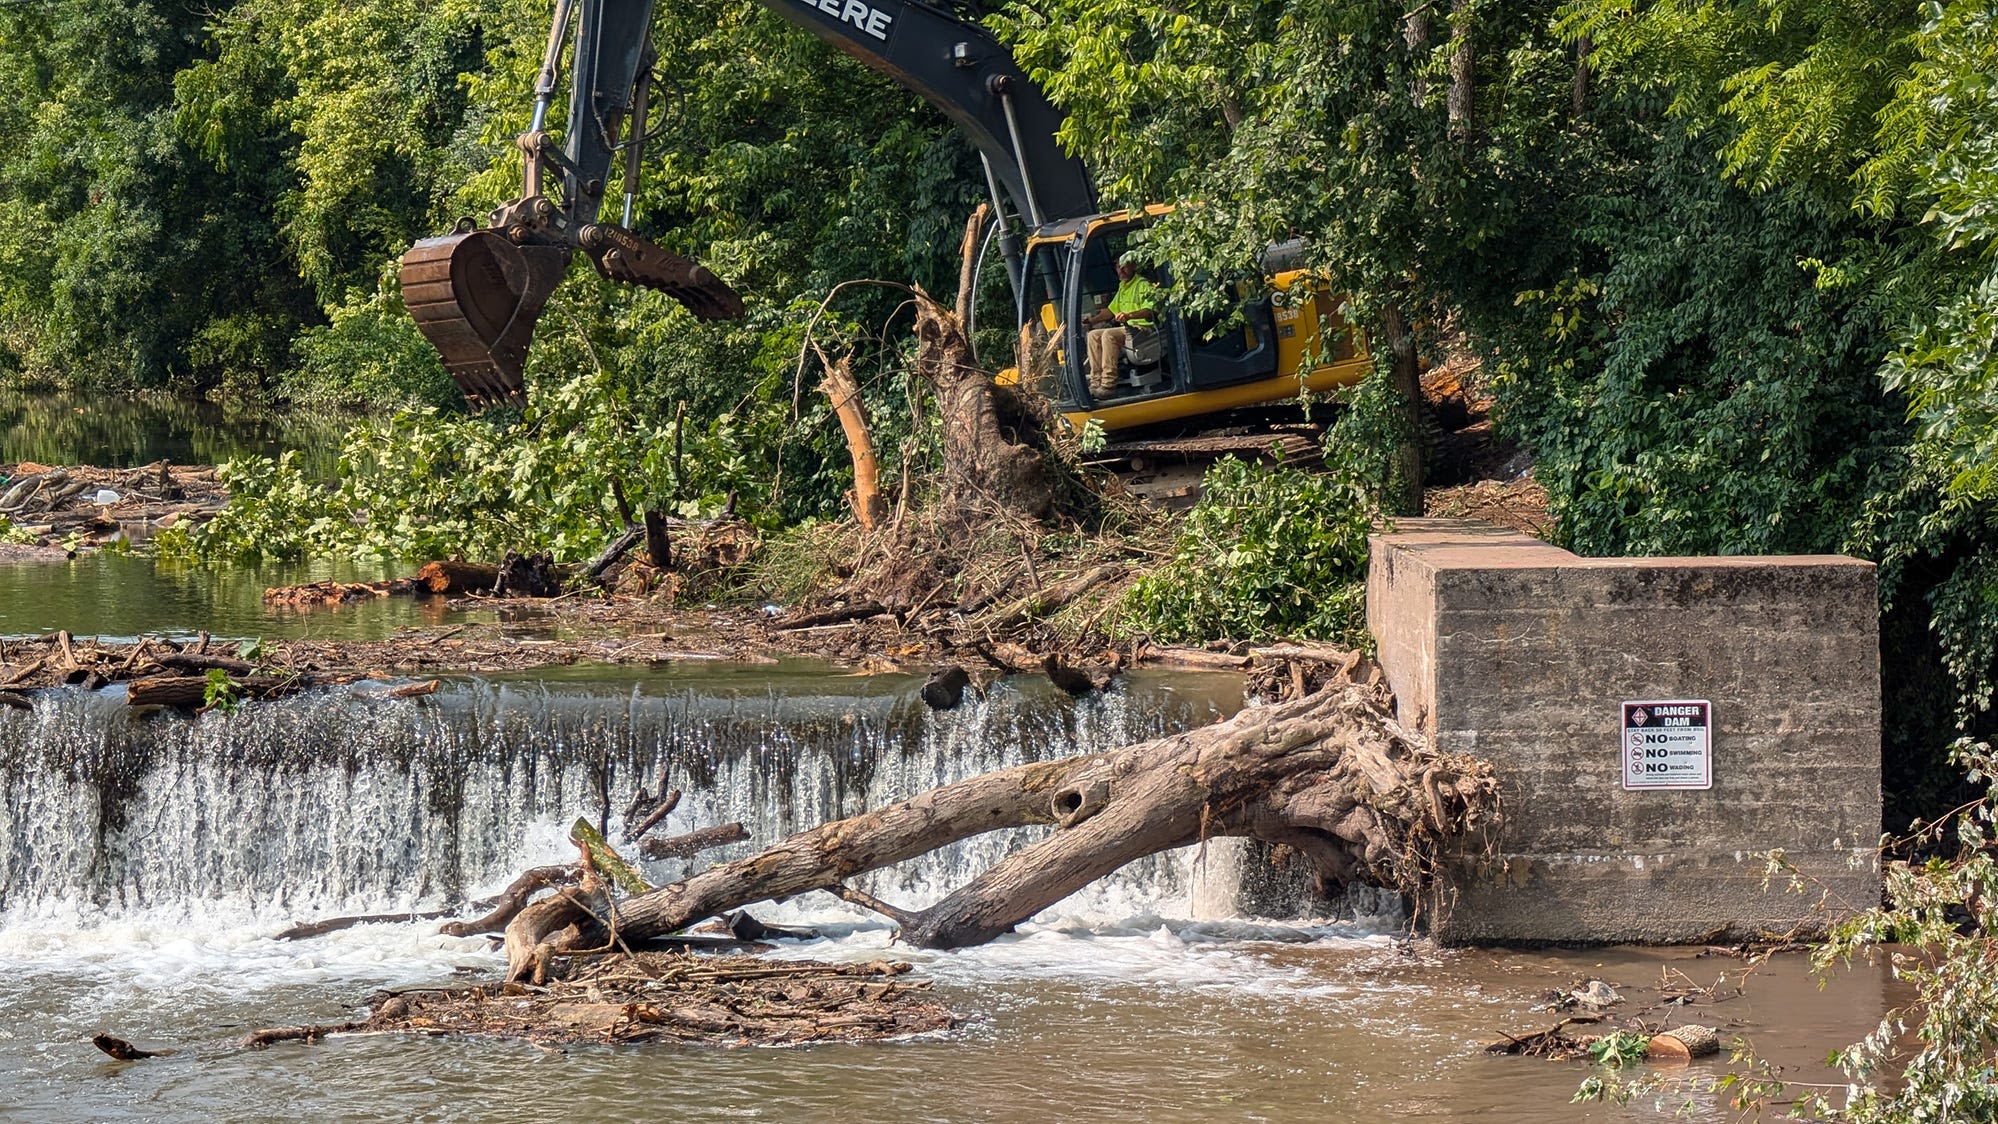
point(1580, 89)
point(1415, 33)
point(987, 467)
point(1461, 76)
point(869, 506)
point(658, 544)
point(1404, 494)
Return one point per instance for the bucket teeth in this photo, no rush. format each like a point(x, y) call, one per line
point(476, 297)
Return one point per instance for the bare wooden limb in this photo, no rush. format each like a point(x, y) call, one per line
point(666, 805)
point(838, 615)
point(869, 505)
point(24, 673)
point(122, 1050)
point(307, 929)
point(259, 1039)
point(185, 662)
point(511, 901)
point(1331, 774)
point(618, 548)
point(868, 901)
point(693, 842)
point(1052, 597)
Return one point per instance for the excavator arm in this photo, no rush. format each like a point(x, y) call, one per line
point(476, 293)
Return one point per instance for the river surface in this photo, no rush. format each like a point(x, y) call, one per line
point(127, 430)
point(147, 860)
point(119, 596)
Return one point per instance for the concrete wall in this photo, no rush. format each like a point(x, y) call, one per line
point(1522, 653)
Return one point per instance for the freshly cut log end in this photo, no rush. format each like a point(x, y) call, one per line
point(1683, 1043)
point(476, 297)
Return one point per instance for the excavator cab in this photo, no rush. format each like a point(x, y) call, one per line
point(1266, 348)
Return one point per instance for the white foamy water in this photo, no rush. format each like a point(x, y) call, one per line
point(145, 864)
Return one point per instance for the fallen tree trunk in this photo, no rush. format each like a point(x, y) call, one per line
point(1332, 776)
point(193, 690)
point(454, 576)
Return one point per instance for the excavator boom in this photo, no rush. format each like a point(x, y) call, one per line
point(476, 293)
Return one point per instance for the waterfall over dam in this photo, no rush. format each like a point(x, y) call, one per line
point(348, 801)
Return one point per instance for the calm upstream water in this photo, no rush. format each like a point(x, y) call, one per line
point(127, 430)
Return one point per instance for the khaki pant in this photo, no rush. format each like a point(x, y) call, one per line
point(1107, 348)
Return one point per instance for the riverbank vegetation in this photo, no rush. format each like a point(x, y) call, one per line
point(1727, 270)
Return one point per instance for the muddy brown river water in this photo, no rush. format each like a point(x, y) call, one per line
point(146, 861)
point(1068, 1024)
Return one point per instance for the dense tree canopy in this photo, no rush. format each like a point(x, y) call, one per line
point(1730, 265)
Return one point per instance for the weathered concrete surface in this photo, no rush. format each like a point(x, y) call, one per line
point(1523, 653)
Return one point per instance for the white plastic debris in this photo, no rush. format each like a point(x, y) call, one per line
point(106, 496)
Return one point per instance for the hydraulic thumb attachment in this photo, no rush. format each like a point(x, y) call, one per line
point(476, 294)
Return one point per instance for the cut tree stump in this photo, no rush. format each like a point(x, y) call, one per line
point(1332, 776)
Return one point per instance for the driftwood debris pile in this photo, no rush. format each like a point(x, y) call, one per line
point(676, 997)
point(155, 671)
point(278, 667)
point(85, 505)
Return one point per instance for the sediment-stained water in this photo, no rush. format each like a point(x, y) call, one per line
point(146, 861)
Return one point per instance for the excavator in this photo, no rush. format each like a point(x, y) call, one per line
point(477, 292)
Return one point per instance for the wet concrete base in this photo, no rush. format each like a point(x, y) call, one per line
point(1559, 669)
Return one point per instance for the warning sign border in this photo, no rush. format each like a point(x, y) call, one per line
point(1623, 770)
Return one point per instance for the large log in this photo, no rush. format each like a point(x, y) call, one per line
point(192, 690)
point(451, 576)
point(1331, 776)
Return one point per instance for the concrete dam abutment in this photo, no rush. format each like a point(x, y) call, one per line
point(1659, 725)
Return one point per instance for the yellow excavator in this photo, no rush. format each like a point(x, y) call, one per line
point(477, 292)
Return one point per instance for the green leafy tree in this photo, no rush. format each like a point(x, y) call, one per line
point(1266, 552)
point(123, 258)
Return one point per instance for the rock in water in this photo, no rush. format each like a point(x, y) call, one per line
point(944, 689)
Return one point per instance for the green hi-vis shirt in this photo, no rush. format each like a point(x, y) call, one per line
point(1134, 295)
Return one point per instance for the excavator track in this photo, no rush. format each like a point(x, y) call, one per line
point(1167, 471)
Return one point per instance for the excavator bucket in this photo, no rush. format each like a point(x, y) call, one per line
point(476, 297)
